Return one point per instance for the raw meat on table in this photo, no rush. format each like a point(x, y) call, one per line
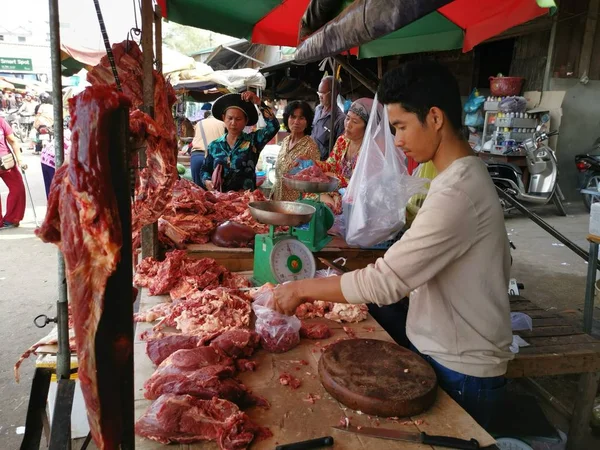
point(83, 220)
point(289, 380)
point(209, 311)
point(181, 276)
point(232, 234)
point(158, 349)
point(203, 382)
point(341, 312)
point(314, 331)
point(313, 174)
point(237, 343)
point(156, 312)
point(185, 419)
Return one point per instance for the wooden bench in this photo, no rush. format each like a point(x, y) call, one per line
point(558, 346)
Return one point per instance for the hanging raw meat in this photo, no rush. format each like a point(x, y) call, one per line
point(83, 220)
point(154, 185)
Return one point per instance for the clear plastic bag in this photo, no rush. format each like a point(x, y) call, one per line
point(520, 321)
point(278, 332)
point(375, 201)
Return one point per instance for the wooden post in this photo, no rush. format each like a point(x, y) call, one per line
point(149, 232)
point(587, 46)
point(158, 37)
point(582, 411)
point(379, 67)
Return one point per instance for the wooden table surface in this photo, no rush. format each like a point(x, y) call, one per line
point(558, 346)
point(292, 419)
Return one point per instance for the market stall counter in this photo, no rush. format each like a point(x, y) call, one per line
point(309, 412)
point(242, 259)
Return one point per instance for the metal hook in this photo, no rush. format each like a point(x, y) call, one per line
point(46, 320)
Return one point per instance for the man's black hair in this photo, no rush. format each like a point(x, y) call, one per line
point(418, 86)
point(307, 112)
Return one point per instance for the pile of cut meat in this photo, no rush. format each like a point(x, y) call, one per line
point(182, 276)
point(193, 214)
point(196, 394)
point(339, 312)
point(313, 174)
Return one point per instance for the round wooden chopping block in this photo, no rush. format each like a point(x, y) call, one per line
point(378, 378)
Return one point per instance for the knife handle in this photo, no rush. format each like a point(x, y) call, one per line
point(325, 441)
point(449, 442)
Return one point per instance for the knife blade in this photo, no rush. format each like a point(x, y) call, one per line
point(421, 438)
point(334, 265)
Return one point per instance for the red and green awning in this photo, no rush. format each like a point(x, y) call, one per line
point(458, 24)
point(270, 22)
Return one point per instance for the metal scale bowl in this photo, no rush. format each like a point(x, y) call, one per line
point(281, 257)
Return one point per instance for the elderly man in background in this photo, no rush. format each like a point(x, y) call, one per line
point(321, 129)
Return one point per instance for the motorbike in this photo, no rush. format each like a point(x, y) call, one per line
point(43, 134)
point(588, 166)
point(14, 120)
point(542, 187)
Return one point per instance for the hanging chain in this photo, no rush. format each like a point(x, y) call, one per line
point(109, 52)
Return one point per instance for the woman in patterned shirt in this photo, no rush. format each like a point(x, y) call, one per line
point(231, 159)
point(297, 119)
point(343, 156)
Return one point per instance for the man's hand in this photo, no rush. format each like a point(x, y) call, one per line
point(251, 97)
point(287, 298)
point(208, 185)
point(21, 165)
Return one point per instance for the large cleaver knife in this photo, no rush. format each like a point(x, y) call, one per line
point(420, 438)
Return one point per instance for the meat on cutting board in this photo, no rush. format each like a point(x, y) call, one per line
point(185, 419)
point(83, 220)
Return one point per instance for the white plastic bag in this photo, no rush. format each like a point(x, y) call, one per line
point(278, 332)
point(375, 201)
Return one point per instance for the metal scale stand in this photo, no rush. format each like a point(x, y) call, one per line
point(288, 256)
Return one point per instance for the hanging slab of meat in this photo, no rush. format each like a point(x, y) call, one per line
point(185, 419)
point(154, 186)
point(83, 220)
point(232, 234)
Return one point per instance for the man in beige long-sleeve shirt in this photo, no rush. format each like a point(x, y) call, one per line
point(454, 261)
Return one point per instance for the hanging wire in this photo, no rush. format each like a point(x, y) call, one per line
point(109, 52)
point(136, 30)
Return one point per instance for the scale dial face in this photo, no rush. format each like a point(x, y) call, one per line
point(291, 260)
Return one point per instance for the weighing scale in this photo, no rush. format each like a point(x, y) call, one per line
point(281, 257)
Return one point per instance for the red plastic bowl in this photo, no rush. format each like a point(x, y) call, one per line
point(506, 86)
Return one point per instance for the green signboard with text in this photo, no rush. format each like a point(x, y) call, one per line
point(16, 64)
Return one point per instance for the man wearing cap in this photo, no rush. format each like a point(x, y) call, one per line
point(206, 131)
point(231, 159)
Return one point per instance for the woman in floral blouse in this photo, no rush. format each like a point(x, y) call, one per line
point(343, 156)
point(297, 119)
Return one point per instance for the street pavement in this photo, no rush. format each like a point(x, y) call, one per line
point(553, 276)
